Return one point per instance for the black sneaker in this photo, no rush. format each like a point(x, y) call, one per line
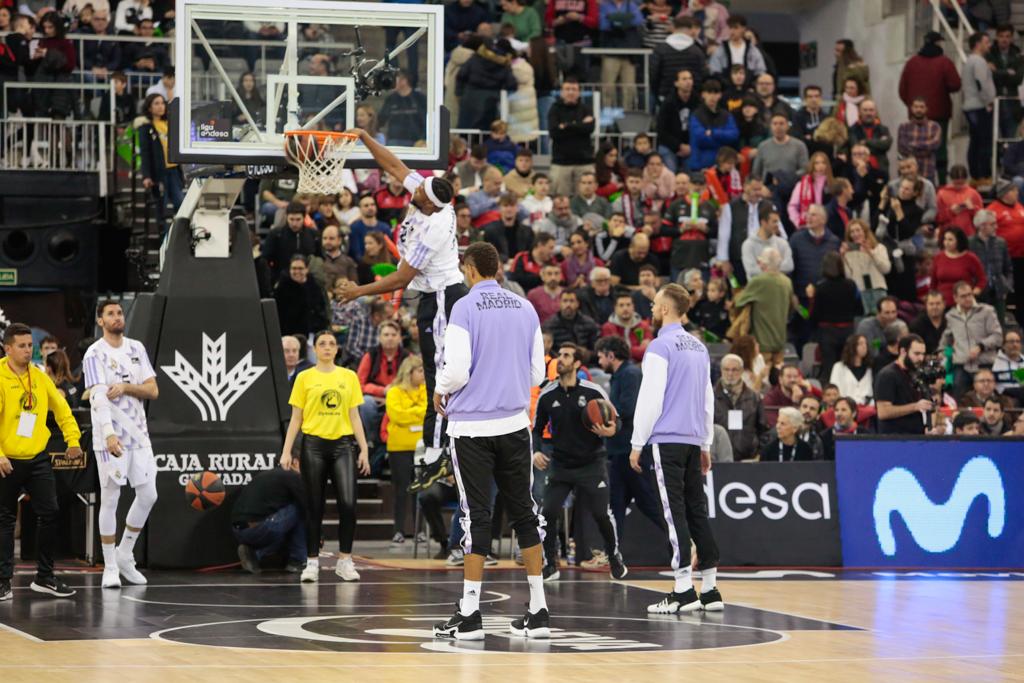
point(712, 601)
point(52, 586)
point(5, 591)
point(675, 603)
point(460, 627)
point(428, 474)
point(247, 556)
point(616, 567)
point(532, 625)
point(551, 573)
point(295, 567)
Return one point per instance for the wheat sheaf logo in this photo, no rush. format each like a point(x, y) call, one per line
point(214, 390)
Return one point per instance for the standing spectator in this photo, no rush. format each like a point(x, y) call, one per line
point(657, 24)
point(994, 256)
point(834, 306)
point(479, 83)
point(625, 323)
point(461, 20)
point(739, 220)
point(739, 49)
point(931, 323)
point(712, 18)
point(848, 108)
point(711, 127)
point(679, 52)
point(956, 263)
point(768, 99)
point(569, 325)
point(779, 160)
point(1007, 363)
point(892, 334)
point(160, 177)
point(901, 222)
point(787, 446)
point(920, 138)
point(852, 374)
point(902, 408)
point(523, 18)
point(573, 22)
point(546, 298)
point(809, 248)
point(767, 235)
point(1010, 226)
point(711, 313)
point(870, 131)
point(807, 119)
point(688, 223)
point(570, 125)
point(770, 295)
point(404, 113)
point(739, 409)
point(849, 64)
point(932, 76)
point(1007, 74)
point(925, 189)
point(812, 189)
point(621, 24)
point(973, 330)
point(405, 406)
point(873, 327)
point(301, 304)
point(957, 203)
point(674, 121)
point(587, 200)
point(130, 13)
point(979, 95)
point(658, 182)
point(291, 238)
point(867, 263)
point(868, 182)
point(838, 208)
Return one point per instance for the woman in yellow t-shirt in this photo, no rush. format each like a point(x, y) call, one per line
point(325, 404)
point(406, 404)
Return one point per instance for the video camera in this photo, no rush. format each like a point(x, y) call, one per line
point(372, 77)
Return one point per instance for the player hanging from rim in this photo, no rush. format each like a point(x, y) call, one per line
point(429, 265)
point(675, 414)
point(119, 377)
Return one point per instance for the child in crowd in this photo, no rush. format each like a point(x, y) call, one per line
point(538, 203)
point(712, 312)
point(631, 202)
point(638, 154)
point(501, 151)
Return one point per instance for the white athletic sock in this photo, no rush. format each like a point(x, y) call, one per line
point(431, 455)
point(708, 579)
point(109, 555)
point(684, 580)
point(127, 545)
point(470, 597)
point(537, 601)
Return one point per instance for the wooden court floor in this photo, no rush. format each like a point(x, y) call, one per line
point(226, 626)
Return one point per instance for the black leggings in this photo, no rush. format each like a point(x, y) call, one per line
point(323, 458)
point(401, 477)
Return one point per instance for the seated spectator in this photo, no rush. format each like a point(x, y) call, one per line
point(130, 13)
point(625, 323)
point(367, 222)
point(852, 375)
point(994, 256)
point(597, 301)
point(465, 233)
point(268, 517)
point(983, 388)
point(471, 171)
point(483, 204)
point(392, 201)
point(770, 296)
point(576, 267)
point(958, 202)
point(362, 331)
point(1010, 221)
point(833, 308)
point(150, 57)
point(711, 312)
point(810, 409)
point(845, 415)
point(925, 190)
point(501, 151)
point(290, 239)
point(559, 220)
point(294, 361)
point(901, 406)
point(993, 418)
point(787, 446)
point(508, 233)
point(609, 172)
point(125, 103)
point(711, 127)
point(873, 328)
point(931, 323)
point(866, 262)
point(973, 330)
point(808, 118)
point(767, 235)
point(405, 404)
point(301, 304)
point(891, 335)
point(739, 409)
point(521, 179)
point(377, 369)
point(673, 124)
point(376, 251)
point(738, 49)
point(165, 86)
point(753, 129)
point(809, 248)
point(755, 369)
point(1007, 364)
point(870, 131)
point(781, 156)
point(643, 296)
point(637, 154)
point(587, 200)
point(546, 299)
point(966, 423)
point(625, 265)
point(332, 263)
point(812, 188)
point(100, 57)
point(658, 182)
point(613, 239)
point(788, 392)
point(631, 202)
point(570, 325)
point(688, 227)
point(954, 264)
point(526, 265)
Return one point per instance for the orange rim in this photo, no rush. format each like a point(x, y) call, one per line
point(323, 134)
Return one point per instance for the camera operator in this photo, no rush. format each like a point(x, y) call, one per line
point(901, 395)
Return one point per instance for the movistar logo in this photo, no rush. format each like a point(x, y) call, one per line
point(936, 528)
point(216, 389)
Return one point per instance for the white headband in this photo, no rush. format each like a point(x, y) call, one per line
point(428, 188)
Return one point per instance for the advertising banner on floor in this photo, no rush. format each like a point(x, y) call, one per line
point(762, 514)
point(931, 502)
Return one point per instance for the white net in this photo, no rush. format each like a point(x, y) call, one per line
point(320, 158)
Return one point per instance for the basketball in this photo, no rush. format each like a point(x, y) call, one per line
point(301, 148)
point(204, 490)
point(598, 411)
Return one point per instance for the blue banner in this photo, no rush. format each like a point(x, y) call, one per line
point(931, 503)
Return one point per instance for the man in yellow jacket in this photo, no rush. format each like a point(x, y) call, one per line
point(26, 395)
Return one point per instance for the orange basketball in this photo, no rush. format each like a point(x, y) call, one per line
point(204, 490)
point(598, 412)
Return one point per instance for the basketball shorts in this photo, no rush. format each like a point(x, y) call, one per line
point(135, 466)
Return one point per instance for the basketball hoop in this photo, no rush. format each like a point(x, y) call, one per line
point(320, 156)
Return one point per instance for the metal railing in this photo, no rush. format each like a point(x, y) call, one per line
point(633, 97)
point(35, 144)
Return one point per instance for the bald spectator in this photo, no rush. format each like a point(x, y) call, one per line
point(869, 131)
point(625, 265)
point(809, 248)
point(483, 203)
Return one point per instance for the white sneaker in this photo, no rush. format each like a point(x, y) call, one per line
point(346, 569)
point(111, 577)
point(126, 565)
point(311, 574)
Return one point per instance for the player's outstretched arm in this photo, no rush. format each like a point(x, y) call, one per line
point(389, 283)
point(387, 161)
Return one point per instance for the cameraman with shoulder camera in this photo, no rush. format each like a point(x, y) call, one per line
point(900, 395)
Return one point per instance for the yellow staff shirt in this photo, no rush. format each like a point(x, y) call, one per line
point(325, 399)
point(14, 401)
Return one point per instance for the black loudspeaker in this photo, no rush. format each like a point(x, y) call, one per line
point(64, 256)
